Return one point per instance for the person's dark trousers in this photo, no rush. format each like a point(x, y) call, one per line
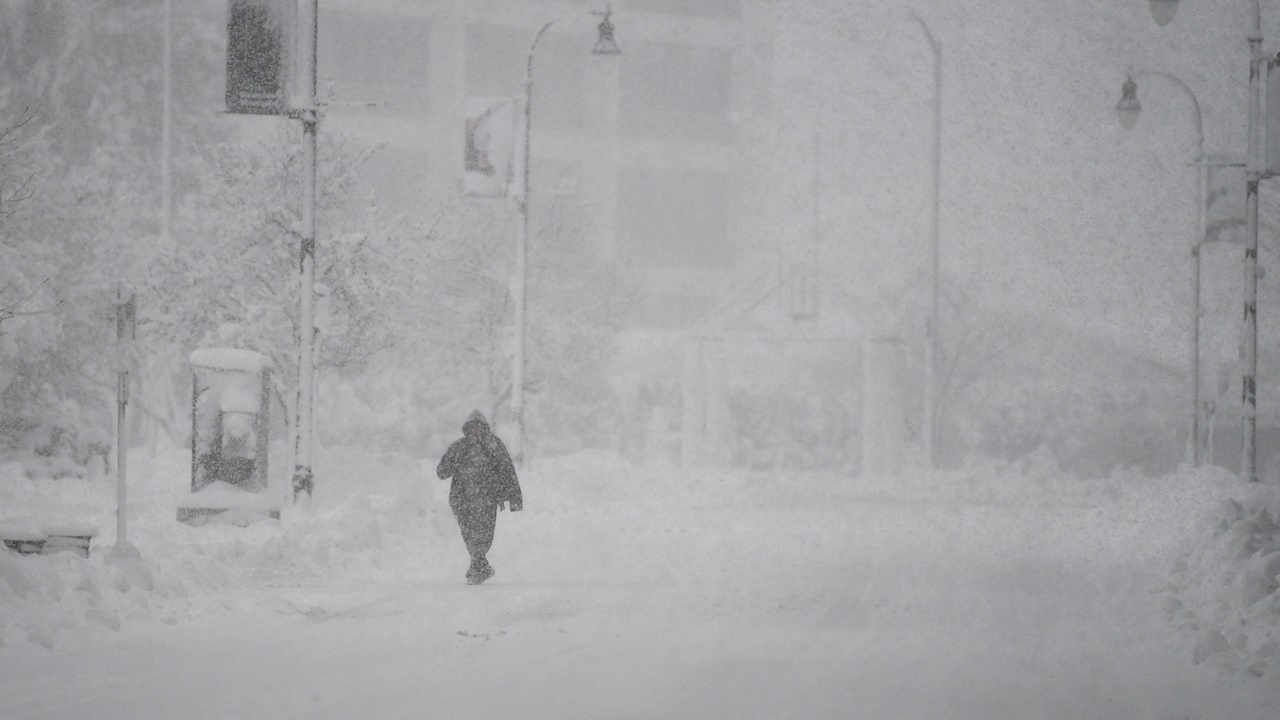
point(477, 519)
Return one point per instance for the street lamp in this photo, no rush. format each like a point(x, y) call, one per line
point(1129, 107)
point(1253, 175)
point(607, 46)
point(1127, 111)
point(166, 132)
point(303, 479)
point(932, 355)
point(1162, 11)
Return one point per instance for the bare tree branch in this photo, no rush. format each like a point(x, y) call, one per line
point(9, 143)
point(10, 311)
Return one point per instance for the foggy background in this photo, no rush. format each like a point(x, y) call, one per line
point(749, 177)
point(730, 509)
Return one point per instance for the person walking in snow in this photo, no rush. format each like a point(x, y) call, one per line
point(484, 478)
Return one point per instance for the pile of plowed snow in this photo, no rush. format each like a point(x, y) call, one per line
point(1224, 592)
point(375, 512)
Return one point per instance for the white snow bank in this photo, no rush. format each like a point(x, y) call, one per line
point(219, 494)
point(1225, 589)
point(369, 515)
point(44, 595)
point(382, 518)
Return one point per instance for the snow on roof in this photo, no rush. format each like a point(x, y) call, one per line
point(230, 359)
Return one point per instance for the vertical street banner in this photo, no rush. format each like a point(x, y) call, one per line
point(260, 36)
point(492, 147)
point(1224, 200)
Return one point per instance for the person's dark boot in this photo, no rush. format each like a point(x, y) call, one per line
point(478, 576)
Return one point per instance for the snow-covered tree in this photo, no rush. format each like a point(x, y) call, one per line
point(87, 161)
point(453, 326)
point(577, 302)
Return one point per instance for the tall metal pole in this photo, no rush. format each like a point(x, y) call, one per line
point(122, 453)
point(1253, 175)
point(1128, 110)
point(303, 450)
point(126, 313)
point(605, 45)
point(933, 326)
point(166, 131)
point(1192, 452)
point(1249, 342)
point(522, 270)
point(1202, 170)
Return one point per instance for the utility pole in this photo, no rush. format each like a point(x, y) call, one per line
point(166, 132)
point(303, 478)
point(605, 46)
point(520, 291)
point(1249, 343)
point(1163, 11)
point(1127, 111)
point(126, 317)
point(932, 353)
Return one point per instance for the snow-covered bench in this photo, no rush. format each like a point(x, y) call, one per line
point(23, 537)
point(30, 539)
point(69, 537)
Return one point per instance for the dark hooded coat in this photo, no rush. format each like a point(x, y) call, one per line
point(481, 468)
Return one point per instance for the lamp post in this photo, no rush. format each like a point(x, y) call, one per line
point(1127, 111)
point(1162, 11)
point(166, 130)
point(605, 45)
point(303, 435)
point(933, 324)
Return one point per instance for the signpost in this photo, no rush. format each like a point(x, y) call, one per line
point(126, 312)
point(259, 61)
point(260, 40)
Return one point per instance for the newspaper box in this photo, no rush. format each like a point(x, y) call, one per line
point(230, 424)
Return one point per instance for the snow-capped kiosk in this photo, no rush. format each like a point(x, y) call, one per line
point(230, 424)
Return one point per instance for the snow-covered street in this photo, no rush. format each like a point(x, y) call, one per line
point(890, 361)
point(647, 592)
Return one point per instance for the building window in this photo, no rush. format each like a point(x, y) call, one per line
point(398, 178)
point(496, 57)
point(676, 92)
point(726, 9)
point(375, 58)
point(674, 218)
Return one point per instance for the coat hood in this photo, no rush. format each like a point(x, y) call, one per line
point(476, 421)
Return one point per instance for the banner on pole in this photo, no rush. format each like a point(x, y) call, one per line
point(1224, 199)
point(491, 154)
point(259, 58)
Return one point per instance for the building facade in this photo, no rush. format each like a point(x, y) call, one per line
point(645, 148)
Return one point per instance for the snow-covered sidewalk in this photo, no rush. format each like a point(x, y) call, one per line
point(630, 591)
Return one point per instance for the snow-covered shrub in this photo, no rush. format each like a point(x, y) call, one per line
point(1225, 591)
point(81, 175)
point(778, 430)
point(577, 302)
point(1021, 386)
point(448, 304)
